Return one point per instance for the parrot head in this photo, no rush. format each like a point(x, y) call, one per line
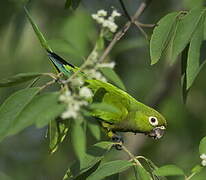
point(150, 122)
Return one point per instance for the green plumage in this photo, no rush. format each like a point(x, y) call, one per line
point(131, 115)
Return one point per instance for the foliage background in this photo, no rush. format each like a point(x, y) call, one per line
point(72, 34)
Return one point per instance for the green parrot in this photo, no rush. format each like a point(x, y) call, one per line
point(132, 115)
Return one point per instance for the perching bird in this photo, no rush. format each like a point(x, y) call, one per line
point(132, 115)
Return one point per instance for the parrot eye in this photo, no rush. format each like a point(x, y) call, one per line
point(153, 121)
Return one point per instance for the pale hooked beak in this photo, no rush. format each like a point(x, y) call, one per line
point(157, 132)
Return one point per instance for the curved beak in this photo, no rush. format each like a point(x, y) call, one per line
point(157, 132)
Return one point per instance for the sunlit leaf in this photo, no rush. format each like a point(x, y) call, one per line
point(169, 170)
point(202, 146)
point(112, 76)
point(110, 168)
point(160, 37)
point(19, 78)
point(12, 107)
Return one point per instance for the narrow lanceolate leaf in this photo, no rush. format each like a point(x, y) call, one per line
point(202, 146)
point(186, 27)
point(57, 132)
point(169, 170)
point(38, 33)
point(19, 78)
point(141, 173)
point(93, 156)
point(78, 139)
point(160, 37)
point(193, 62)
point(110, 168)
point(12, 107)
point(111, 75)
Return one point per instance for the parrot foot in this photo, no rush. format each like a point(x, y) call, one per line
point(118, 139)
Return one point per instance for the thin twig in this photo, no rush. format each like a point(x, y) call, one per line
point(125, 10)
point(48, 84)
point(122, 31)
point(131, 155)
point(141, 30)
point(145, 25)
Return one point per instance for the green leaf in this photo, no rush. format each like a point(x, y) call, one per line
point(40, 110)
point(57, 132)
point(104, 107)
point(75, 4)
point(94, 155)
point(112, 76)
point(197, 169)
point(38, 33)
point(12, 107)
point(78, 137)
point(95, 130)
point(110, 168)
point(141, 173)
point(82, 176)
point(68, 4)
point(193, 62)
point(186, 27)
point(169, 170)
point(160, 37)
point(19, 78)
point(202, 146)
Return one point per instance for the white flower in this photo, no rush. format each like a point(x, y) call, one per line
point(107, 23)
point(77, 82)
point(85, 92)
point(109, 65)
point(69, 113)
point(203, 156)
point(203, 162)
point(115, 14)
point(64, 97)
point(101, 12)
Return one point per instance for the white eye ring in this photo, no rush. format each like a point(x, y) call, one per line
point(153, 121)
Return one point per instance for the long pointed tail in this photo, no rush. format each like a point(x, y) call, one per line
point(60, 64)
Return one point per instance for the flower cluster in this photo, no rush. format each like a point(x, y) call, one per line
point(74, 102)
point(203, 157)
point(107, 22)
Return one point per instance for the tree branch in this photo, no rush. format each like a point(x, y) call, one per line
point(122, 31)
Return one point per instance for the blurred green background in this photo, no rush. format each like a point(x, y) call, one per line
point(72, 34)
